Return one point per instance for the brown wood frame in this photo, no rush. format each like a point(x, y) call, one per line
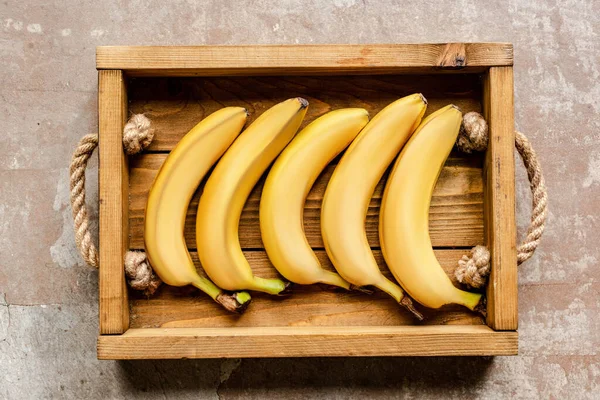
point(492, 60)
point(114, 190)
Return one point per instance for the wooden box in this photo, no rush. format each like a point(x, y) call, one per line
point(473, 203)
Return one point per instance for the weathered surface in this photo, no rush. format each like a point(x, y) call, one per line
point(48, 298)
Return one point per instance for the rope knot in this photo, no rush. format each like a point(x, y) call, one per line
point(137, 134)
point(475, 269)
point(473, 135)
point(140, 273)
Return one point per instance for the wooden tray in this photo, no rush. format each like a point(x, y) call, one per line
point(473, 202)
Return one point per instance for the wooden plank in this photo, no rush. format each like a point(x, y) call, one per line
point(500, 225)
point(175, 105)
point(113, 180)
point(456, 213)
point(294, 59)
point(307, 342)
point(304, 71)
point(314, 305)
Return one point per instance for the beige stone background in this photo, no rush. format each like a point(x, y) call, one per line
point(48, 297)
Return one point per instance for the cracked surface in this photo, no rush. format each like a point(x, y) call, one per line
point(4, 318)
point(48, 101)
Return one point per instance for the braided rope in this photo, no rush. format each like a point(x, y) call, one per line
point(137, 135)
point(539, 198)
point(83, 237)
point(473, 270)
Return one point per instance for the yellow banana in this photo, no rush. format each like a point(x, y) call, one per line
point(404, 215)
point(352, 184)
point(286, 188)
point(170, 195)
point(228, 188)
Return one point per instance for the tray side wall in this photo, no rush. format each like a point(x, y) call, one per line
point(303, 59)
point(499, 199)
point(308, 342)
point(114, 192)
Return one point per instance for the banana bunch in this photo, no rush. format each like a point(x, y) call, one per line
point(244, 158)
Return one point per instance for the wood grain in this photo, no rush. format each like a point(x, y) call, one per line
point(455, 218)
point(307, 342)
point(294, 59)
point(453, 56)
point(314, 305)
point(500, 224)
point(113, 194)
point(175, 105)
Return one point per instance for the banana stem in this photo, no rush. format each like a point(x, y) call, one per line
point(390, 288)
point(242, 297)
point(275, 287)
point(235, 302)
point(363, 289)
point(468, 299)
point(481, 308)
point(331, 278)
point(207, 287)
point(398, 294)
point(407, 303)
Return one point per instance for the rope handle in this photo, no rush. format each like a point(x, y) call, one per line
point(137, 135)
point(473, 270)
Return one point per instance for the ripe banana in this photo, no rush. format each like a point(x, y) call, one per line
point(404, 215)
point(170, 195)
point(286, 188)
point(349, 191)
point(228, 188)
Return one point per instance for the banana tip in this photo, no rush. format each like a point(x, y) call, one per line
point(303, 102)
point(407, 303)
point(423, 98)
point(481, 307)
point(456, 107)
point(287, 290)
point(231, 303)
point(362, 289)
